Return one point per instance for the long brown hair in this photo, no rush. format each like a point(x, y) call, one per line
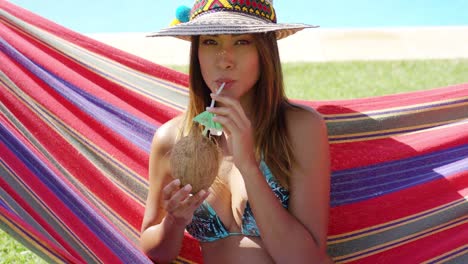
point(272, 142)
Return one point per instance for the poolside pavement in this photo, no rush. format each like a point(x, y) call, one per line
point(319, 45)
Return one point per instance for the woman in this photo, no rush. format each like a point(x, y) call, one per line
point(275, 162)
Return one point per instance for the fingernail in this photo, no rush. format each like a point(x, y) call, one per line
point(202, 192)
point(177, 182)
point(187, 187)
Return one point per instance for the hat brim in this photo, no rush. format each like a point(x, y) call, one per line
point(228, 22)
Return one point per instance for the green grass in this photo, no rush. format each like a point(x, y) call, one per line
point(331, 80)
point(11, 251)
point(346, 80)
point(357, 79)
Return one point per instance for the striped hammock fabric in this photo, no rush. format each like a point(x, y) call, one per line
point(76, 123)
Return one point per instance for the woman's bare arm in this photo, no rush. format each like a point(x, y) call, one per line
point(169, 206)
point(297, 235)
point(156, 229)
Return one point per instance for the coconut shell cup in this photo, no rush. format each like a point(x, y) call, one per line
point(195, 160)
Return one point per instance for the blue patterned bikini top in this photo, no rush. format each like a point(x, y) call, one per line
point(206, 226)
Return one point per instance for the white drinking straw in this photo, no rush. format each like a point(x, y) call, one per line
point(217, 92)
point(214, 131)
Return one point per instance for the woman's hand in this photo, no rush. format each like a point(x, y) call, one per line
point(179, 203)
point(238, 130)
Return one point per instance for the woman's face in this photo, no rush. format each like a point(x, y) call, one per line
point(232, 59)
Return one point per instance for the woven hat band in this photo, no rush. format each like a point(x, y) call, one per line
point(259, 8)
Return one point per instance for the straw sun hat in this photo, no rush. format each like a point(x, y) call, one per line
point(218, 17)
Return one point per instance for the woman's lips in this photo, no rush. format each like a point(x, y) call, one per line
point(228, 82)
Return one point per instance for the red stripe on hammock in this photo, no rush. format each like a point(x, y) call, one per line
point(58, 208)
point(388, 101)
point(115, 54)
point(20, 200)
point(411, 201)
point(86, 79)
point(37, 236)
point(364, 153)
point(44, 224)
point(67, 156)
point(105, 138)
point(191, 249)
point(422, 249)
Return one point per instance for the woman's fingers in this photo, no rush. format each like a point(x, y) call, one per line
point(170, 189)
point(231, 124)
point(231, 103)
point(177, 197)
point(196, 199)
point(180, 198)
point(200, 197)
point(228, 124)
point(231, 115)
point(186, 208)
point(224, 99)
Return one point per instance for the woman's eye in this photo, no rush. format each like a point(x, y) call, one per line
point(209, 42)
point(243, 42)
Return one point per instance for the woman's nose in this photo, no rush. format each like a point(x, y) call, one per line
point(225, 59)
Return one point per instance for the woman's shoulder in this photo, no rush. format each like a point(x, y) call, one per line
point(166, 135)
point(307, 132)
point(305, 127)
point(300, 117)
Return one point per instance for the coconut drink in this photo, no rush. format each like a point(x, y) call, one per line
point(195, 159)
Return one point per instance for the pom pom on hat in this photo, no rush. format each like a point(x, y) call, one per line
point(174, 22)
point(183, 13)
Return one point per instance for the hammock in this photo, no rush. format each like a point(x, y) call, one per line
point(76, 122)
